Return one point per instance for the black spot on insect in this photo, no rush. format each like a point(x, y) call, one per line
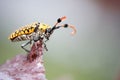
point(28, 30)
point(41, 28)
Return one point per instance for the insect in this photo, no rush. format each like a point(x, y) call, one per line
point(37, 31)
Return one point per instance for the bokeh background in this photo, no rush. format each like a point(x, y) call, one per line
point(92, 54)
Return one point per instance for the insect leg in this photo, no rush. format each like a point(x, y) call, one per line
point(25, 44)
point(45, 46)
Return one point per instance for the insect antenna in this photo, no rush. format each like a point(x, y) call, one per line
point(58, 21)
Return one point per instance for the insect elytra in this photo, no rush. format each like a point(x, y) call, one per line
point(25, 32)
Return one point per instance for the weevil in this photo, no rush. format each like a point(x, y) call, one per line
point(37, 31)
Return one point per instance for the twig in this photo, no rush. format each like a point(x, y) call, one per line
point(25, 67)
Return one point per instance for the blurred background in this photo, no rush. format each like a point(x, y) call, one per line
point(92, 54)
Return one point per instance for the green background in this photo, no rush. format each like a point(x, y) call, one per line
point(92, 54)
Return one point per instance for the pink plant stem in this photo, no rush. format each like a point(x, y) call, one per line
point(25, 67)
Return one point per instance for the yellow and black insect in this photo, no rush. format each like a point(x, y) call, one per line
point(37, 31)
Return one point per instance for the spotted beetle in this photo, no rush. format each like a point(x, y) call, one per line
point(37, 31)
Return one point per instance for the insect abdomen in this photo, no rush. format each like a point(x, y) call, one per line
point(22, 38)
point(24, 33)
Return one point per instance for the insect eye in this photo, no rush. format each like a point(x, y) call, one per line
point(49, 30)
